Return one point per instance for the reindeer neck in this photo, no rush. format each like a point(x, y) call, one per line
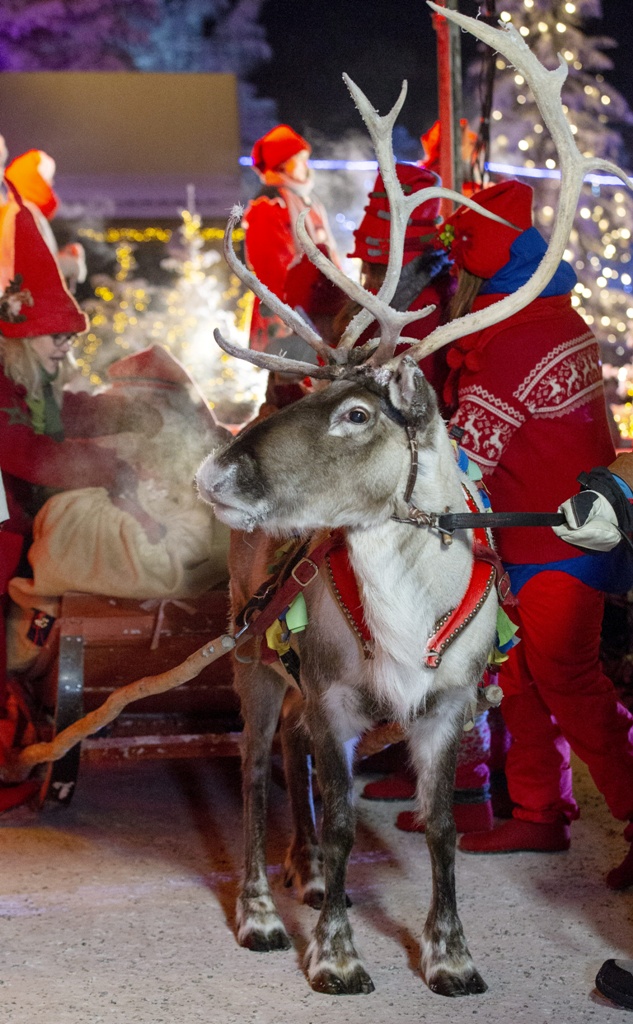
point(407, 569)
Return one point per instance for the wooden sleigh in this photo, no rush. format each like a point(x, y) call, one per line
point(99, 644)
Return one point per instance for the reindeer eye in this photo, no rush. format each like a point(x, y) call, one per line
point(357, 416)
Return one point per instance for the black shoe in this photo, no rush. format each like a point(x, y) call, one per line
point(615, 981)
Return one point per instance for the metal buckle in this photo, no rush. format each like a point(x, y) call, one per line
point(504, 587)
point(315, 570)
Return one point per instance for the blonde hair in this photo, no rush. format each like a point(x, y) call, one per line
point(468, 286)
point(22, 366)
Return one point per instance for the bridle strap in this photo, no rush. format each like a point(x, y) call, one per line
point(447, 522)
point(413, 469)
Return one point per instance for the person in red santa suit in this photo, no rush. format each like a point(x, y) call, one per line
point(425, 279)
point(530, 403)
point(43, 429)
point(280, 159)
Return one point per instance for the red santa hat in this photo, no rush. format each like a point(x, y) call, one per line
point(32, 174)
point(482, 246)
point(277, 146)
point(47, 306)
point(371, 238)
point(153, 367)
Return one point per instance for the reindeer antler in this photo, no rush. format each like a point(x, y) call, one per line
point(266, 360)
point(546, 87)
point(376, 307)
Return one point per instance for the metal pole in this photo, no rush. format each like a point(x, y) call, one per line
point(449, 82)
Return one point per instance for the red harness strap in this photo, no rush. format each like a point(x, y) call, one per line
point(486, 568)
point(345, 587)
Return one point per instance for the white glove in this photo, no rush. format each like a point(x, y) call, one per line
point(591, 522)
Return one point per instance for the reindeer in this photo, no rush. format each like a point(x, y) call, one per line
point(365, 455)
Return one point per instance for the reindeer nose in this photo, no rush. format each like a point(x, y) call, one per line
point(204, 480)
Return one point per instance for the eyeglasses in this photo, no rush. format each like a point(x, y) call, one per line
point(59, 340)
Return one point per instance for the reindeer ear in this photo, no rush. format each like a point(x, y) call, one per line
point(411, 394)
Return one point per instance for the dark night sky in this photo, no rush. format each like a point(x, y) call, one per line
point(379, 42)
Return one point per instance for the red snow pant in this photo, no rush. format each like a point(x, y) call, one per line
point(557, 697)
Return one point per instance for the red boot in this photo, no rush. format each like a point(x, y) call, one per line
point(468, 818)
point(395, 787)
point(515, 836)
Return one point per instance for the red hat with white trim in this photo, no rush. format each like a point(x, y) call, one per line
point(150, 367)
point(482, 246)
point(371, 238)
point(277, 146)
point(43, 305)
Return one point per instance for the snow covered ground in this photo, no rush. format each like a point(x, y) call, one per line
point(121, 909)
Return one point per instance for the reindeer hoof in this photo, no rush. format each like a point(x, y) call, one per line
point(357, 982)
point(447, 984)
point(259, 926)
point(265, 942)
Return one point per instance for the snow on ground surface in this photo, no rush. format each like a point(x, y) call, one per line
point(121, 909)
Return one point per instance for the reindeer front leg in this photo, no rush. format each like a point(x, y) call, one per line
point(445, 961)
point(332, 962)
point(259, 926)
point(304, 862)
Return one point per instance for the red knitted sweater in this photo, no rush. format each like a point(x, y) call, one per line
point(531, 403)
